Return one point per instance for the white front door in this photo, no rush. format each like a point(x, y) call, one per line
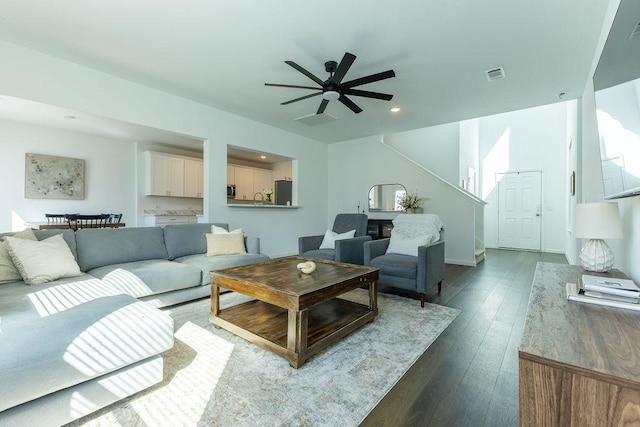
point(519, 210)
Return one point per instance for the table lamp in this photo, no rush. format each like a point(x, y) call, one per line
point(596, 222)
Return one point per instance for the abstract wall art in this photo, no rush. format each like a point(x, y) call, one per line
point(52, 177)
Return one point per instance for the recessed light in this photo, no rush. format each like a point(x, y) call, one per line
point(394, 109)
point(263, 157)
point(70, 117)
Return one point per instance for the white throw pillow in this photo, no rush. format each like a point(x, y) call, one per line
point(406, 245)
point(219, 230)
point(330, 237)
point(225, 244)
point(8, 271)
point(43, 261)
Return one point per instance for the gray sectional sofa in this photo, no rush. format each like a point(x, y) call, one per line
point(74, 345)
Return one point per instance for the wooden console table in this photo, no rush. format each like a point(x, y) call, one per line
point(379, 228)
point(579, 363)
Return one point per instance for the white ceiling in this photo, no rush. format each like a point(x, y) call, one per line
point(221, 53)
point(21, 110)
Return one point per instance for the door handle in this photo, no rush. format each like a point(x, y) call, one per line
point(538, 214)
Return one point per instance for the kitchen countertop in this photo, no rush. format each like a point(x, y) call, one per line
point(259, 205)
point(172, 212)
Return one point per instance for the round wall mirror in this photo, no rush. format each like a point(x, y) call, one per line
point(385, 197)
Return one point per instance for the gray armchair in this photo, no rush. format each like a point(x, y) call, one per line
point(347, 250)
point(415, 273)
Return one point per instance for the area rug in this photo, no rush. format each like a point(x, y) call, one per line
point(213, 378)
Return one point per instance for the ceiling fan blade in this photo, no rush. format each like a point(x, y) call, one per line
point(367, 94)
point(350, 104)
point(305, 72)
point(300, 99)
point(294, 86)
point(368, 79)
point(322, 106)
point(341, 71)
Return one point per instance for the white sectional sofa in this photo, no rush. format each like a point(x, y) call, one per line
point(76, 344)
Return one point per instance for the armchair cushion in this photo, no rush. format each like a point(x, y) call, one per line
point(397, 265)
point(330, 237)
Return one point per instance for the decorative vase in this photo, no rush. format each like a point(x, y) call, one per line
point(414, 210)
point(268, 198)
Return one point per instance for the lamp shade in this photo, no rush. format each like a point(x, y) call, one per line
point(597, 221)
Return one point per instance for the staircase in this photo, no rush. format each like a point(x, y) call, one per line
point(460, 211)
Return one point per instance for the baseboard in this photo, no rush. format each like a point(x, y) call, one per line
point(554, 251)
point(548, 251)
point(460, 262)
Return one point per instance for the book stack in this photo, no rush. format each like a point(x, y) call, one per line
point(613, 292)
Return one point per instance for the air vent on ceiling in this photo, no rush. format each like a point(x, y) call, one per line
point(636, 31)
point(495, 74)
point(316, 119)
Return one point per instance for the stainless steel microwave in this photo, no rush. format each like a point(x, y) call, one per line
point(231, 191)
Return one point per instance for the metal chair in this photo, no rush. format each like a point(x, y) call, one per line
point(114, 218)
point(56, 218)
point(87, 221)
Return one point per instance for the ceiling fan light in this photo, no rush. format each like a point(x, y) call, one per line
point(331, 95)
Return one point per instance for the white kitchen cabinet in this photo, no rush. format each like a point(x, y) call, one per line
point(162, 220)
point(165, 175)
point(249, 181)
point(262, 179)
point(174, 176)
point(244, 183)
point(231, 175)
point(193, 178)
point(175, 183)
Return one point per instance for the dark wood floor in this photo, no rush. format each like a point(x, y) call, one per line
point(469, 375)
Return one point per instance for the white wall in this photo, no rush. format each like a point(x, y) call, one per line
point(436, 148)
point(530, 139)
point(525, 140)
point(109, 173)
point(573, 146)
point(376, 163)
point(31, 75)
point(469, 151)
point(282, 171)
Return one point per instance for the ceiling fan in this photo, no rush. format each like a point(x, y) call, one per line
point(333, 89)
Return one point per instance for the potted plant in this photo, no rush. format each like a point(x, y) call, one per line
point(268, 192)
point(411, 202)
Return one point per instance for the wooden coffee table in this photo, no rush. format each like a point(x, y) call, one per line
point(294, 315)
